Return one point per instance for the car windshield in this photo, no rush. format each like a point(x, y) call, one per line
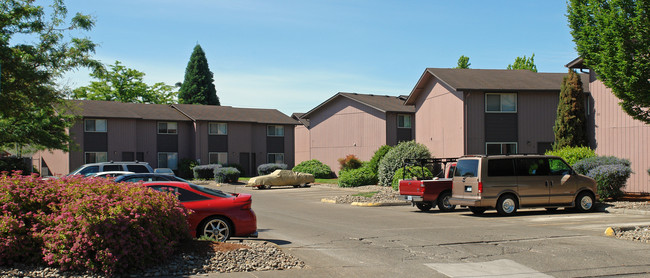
point(210, 191)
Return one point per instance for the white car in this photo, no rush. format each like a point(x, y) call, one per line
point(108, 174)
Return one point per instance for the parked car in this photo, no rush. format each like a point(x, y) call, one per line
point(281, 178)
point(216, 214)
point(137, 177)
point(427, 192)
point(164, 171)
point(108, 174)
point(131, 166)
point(509, 182)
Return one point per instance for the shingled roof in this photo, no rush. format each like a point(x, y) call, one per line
point(116, 109)
point(382, 103)
point(199, 112)
point(492, 80)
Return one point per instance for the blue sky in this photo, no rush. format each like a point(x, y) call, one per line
point(293, 55)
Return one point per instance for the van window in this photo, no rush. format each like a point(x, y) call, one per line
point(559, 167)
point(112, 168)
point(137, 168)
point(532, 167)
point(501, 167)
point(466, 168)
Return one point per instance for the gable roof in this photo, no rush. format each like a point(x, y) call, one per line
point(492, 80)
point(200, 112)
point(381, 103)
point(116, 109)
point(298, 117)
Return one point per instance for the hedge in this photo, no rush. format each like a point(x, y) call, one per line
point(314, 167)
point(611, 174)
point(587, 164)
point(227, 175)
point(268, 168)
point(357, 177)
point(86, 224)
point(572, 154)
point(394, 159)
point(376, 158)
point(206, 172)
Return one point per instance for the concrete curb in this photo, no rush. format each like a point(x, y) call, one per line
point(604, 208)
point(329, 201)
point(367, 204)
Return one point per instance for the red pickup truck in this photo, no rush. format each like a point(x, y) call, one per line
point(427, 192)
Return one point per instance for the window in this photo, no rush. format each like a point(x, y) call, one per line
point(94, 157)
point(218, 158)
point(466, 168)
point(275, 158)
point(94, 125)
point(500, 148)
point(501, 168)
point(108, 168)
point(275, 130)
point(168, 160)
point(217, 128)
point(403, 121)
point(137, 168)
point(558, 167)
point(532, 167)
point(167, 128)
point(183, 195)
point(504, 103)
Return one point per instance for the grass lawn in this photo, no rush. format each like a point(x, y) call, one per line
point(366, 194)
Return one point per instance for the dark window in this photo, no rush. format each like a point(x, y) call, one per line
point(466, 168)
point(558, 167)
point(183, 195)
point(89, 170)
point(137, 168)
point(532, 167)
point(501, 168)
point(112, 168)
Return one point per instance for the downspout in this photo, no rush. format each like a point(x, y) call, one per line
point(197, 147)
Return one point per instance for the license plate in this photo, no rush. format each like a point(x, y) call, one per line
point(410, 198)
point(468, 188)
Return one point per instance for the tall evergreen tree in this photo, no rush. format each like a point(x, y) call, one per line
point(463, 62)
point(198, 85)
point(570, 125)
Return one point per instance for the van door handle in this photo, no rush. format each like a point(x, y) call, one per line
point(551, 183)
point(545, 183)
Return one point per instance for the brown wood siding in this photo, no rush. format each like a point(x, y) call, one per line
point(537, 112)
point(302, 147)
point(121, 137)
point(500, 127)
point(217, 143)
point(289, 145)
point(474, 120)
point(345, 127)
point(617, 134)
point(439, 120)
point(146, 136)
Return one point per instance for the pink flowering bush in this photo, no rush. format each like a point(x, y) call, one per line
point(80, 223)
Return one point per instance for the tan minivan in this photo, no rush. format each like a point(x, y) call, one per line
point(509, 182)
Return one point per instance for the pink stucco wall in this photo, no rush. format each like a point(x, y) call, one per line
point(302, 147)
point(617, 134)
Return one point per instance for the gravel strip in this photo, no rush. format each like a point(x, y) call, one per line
point(384, 195)
point(640, 233)
point(261, 256)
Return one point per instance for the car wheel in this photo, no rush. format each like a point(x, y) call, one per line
point(584, 202)
point(262, 186)
point(424, 206)
point(296, 186)
point(507, 205)
point(307, 185)
point(477, 210)
point(443, 202)
point(216, 228)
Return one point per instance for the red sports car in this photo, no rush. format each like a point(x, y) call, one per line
point(216, 214)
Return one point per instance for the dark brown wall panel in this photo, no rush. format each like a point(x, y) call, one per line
point(95, 142)
point(500, 127)
point(167, 143)
point(274, 144)
point(218, 143)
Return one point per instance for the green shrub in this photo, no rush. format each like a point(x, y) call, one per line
point(394, 159)
point(268, 168)
point(234, 165)
point(412, 171)
point(376, 158)
point(350, 162)
point(13, 163)
point(314, 167)
point(587, 164)
point(357, 177)
point(78, 223)
point(185, 168)
point(572, 154)
point(206, 172)
point(610, 179)
point(227, 175)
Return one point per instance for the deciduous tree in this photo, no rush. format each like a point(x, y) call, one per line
point(613, 38)
point(463, 62)
point(125, 85)
point(37, 48)
point(524, 63)
point(198, 85)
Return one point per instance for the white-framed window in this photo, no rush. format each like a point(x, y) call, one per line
point(218, 158)
point(275, 130)
point(168, 160)
point(95, 125)
point(95, 157)
point(493, 148)
point(403, 121)
point(167, 128)
point(501, 102)
point(218, 128)
point(275, 158)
